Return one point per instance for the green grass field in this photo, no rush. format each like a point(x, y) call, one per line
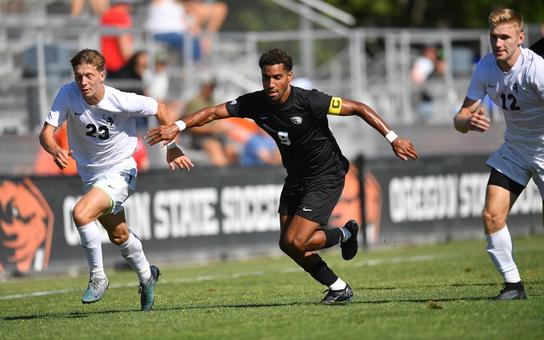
point(426, 292)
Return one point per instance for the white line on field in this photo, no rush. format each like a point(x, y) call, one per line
point(201, 278)
point(128, 285)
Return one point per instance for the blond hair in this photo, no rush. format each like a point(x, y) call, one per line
point(505, 16)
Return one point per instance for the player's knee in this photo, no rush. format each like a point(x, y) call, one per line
point(295, 243)
point(118, 237)
point(283, 246)
point(493, 220)
point(81, 216)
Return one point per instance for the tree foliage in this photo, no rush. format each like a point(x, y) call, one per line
point(259, 15)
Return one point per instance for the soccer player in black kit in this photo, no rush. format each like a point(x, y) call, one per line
point(297, 120)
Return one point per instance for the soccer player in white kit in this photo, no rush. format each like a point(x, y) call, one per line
point(513, 78)
point(102, 138)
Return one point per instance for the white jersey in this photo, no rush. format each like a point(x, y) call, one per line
point(102, 136)
point(520, 94)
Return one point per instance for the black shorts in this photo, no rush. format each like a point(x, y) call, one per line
point(499, 179)
point(312, 199)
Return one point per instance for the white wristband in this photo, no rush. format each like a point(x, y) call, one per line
point(181, 125)
point(171, 145)
point(391, 136)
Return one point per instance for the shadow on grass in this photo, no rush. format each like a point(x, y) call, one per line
point(72, 315)
point(527, 283)
point(358, 301)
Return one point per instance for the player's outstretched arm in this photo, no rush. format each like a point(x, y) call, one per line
point(471, 117)
point(48, 142)
point(402, 147)
point(168, 132)
point(174, 155)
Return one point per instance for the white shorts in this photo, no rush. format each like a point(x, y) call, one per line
point(117, 184)
point(518, 166)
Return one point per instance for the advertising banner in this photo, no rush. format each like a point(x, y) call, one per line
point(211, 213)
point(437, 199)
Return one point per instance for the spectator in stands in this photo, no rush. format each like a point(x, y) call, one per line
point(133, 71)
point(98, 7)
point(211, 138)
point(156, 80)
point(209, 16)
point(297, 120)
point(173, 22)
point(118, 48)
point(421, 70)
point(260, 150)
point(157, 83)
point(171, 25)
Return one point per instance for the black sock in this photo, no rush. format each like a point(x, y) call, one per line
point(332, 236)
point(515, 285)
point(319, 270)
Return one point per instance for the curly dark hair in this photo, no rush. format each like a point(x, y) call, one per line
point(274, 57)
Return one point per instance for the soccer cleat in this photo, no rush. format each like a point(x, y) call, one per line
point(96, 288)
point(338, 296)
point(512, 292)
point(350, 247)
point(147, 290)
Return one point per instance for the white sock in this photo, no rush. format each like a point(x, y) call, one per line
point(499, 248)
point(133, 253)
point(90, 241)
point(346, 234)
point(338, 285)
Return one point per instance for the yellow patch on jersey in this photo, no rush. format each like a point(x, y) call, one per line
point(335, 106)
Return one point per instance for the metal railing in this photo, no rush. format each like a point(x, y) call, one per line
point(371, 65)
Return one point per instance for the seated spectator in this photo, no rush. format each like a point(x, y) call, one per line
point(421, 70)
point(260, 150)
point(98, 7)
point(157, 83)
point(117, 49)
point(212, 137)
point(209, 18)
point(134, 70)
point(170, 24)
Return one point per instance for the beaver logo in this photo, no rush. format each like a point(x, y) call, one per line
point(26, 227)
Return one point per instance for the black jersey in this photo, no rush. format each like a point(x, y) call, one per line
point(300, 128)
point(538, 47)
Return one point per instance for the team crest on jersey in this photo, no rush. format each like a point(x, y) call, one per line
point(110, 118)
point(296, 120)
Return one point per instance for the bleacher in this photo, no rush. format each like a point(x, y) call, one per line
point(369, 65)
